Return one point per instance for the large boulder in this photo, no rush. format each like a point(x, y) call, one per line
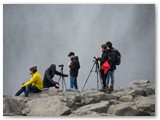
point(73, 97)
point(127, 98)
point(123, 109)
point(50, 106)
point(137, 91)
point(46, 91)
point(150, 90)
point(145, 103)
point(119, 94)
point(13, 105)
point(139, 84)
point(85, 100)
point(97, 107)
point(99, 96)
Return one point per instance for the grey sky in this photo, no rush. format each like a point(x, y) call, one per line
point(45, 34)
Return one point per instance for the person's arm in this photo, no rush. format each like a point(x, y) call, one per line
point(72, 66)
point(112, 58)
point(49, 77)
point(60, 74)
point(32, 80)
point(104, 58)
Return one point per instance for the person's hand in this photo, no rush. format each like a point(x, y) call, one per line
point(97, 57)
point(57, 86)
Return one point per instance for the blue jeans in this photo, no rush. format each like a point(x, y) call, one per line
point(73, 82)
point(110, 75)
point(28, 89)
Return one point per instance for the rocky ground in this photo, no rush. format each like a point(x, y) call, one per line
point(136, 100)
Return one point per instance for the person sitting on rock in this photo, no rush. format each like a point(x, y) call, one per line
point(49, 74)
point(35, 84)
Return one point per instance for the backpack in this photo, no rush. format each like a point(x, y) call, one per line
point(118, 57)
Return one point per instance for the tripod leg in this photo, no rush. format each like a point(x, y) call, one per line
point(59, 79)
point(97, 82)
point(100, 79)
point(62, 84)
point(88, 77)
point(65, 83)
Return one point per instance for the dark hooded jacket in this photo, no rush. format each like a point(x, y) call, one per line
point(74, 66)
point(112, 59)
point(104, 57)
point(49, 74)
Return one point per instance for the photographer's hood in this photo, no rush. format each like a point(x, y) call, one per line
point(52, 67)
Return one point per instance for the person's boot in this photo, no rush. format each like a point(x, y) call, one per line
point(110, 88)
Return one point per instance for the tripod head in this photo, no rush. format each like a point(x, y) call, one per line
point(61, 66)
point(97, 64)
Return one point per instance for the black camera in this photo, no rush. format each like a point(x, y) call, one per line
point(61, 65)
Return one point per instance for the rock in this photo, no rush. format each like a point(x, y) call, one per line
point(99, 96)
point(52, 91)
point(12, 106)
point(119, 94)
point(122, 110)
point(140, 84)
point(137, 91)
point(49, 91)
point(150, 90)
point(72, 100)
point(98, 107)
point(62, 98)
point(90, 114)
point(145, 103)
point(72, 90)
point(44, 96)
point(137, 82)
point(127, 98)
point(51, 106)
point(73, 97)
point(25, 111)
point(113, 102)
point(85, 100)
point(111, 97)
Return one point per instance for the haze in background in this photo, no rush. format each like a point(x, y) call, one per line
point(45, 34)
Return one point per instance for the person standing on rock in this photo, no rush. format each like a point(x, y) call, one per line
point(74, 66)
point(111, 60)
point(35, 84)
point(49, 74)
point(104, 65)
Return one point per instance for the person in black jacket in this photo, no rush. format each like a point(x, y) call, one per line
point(74, 66)
point(111, 60)
point(49, 74)
point(103, 58)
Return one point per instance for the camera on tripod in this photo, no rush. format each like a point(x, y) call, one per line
point(61, 65)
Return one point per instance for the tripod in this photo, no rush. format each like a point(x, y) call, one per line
point(63, 80)
point(97, 71)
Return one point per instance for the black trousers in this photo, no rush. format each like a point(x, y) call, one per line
point(104, 77)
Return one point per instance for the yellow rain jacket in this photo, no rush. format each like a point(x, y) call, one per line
point(36, 80)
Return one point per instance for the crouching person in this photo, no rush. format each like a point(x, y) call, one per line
point(34, 85)
point(49, 74)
